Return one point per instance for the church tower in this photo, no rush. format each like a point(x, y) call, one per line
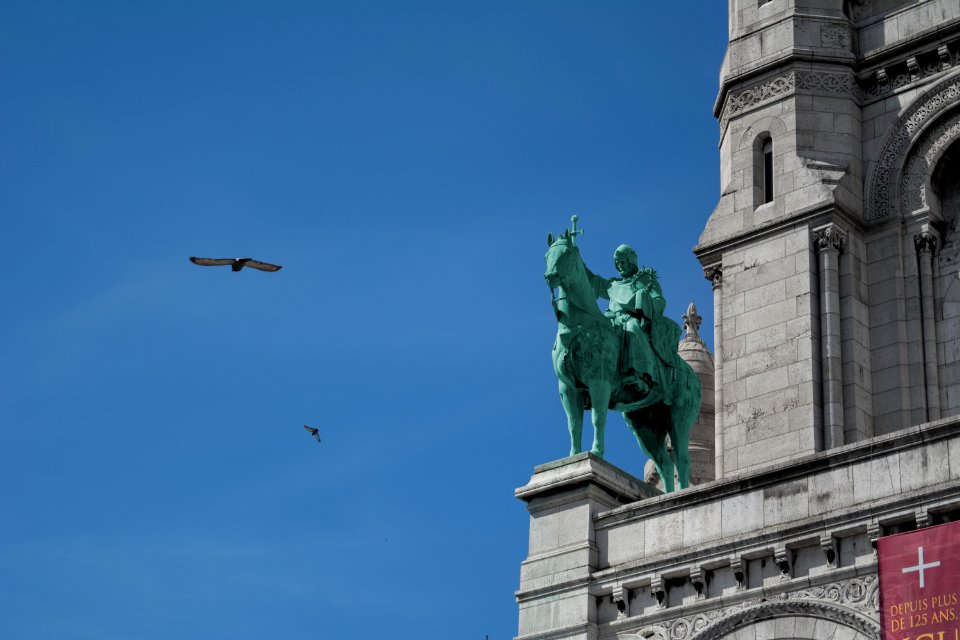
point(831, 249)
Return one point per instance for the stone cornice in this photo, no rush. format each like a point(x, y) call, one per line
point(818, 213)
point(803, 467)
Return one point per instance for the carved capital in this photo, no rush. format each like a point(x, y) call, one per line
point(882, 77)
point(926, 243)
point(714, 273)
point(923, 518)
point(829, 238)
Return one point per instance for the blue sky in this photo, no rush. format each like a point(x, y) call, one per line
point(404, 162)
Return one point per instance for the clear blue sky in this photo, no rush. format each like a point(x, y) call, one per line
point(404, 162)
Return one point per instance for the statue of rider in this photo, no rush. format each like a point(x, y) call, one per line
point(636, 305)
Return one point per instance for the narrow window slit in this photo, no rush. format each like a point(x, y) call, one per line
point(767, 171)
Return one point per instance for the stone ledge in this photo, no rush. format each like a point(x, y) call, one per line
point(802, 468)
point(581, 470)
point(585, 630)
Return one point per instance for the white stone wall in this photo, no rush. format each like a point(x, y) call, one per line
point(702, 563)
point(770, 381)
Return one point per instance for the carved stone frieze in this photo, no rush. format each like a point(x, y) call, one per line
point(883, 184)
point(785, 84)
point(835, 34)
point(854, 603)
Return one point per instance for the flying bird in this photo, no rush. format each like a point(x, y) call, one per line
point(314, 432)
point(235, 263)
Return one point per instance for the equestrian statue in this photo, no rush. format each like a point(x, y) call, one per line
point(625, 359)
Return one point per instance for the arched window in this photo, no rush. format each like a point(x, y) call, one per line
point(767, 171)
point(763, 170)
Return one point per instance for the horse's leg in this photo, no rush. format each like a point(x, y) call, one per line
point(682, 418)
point(654, 444)
point(600, 399)
point(574, 408)
point(680, 439)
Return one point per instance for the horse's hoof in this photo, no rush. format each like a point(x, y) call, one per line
point(597, 452)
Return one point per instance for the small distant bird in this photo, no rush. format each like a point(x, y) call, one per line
point(314, 432)
point(235, 263)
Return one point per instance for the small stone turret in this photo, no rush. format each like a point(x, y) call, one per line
point(702, 438)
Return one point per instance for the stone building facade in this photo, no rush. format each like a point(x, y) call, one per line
point(834, 256)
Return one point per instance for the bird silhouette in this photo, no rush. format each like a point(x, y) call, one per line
point(236, 264)
point(314, 432)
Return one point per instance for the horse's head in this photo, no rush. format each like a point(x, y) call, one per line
point(563, 260)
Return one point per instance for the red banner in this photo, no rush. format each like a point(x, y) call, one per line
point(920, 584)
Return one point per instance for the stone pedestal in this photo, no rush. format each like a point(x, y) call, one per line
point(563, 497)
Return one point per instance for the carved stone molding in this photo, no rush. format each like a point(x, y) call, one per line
point(900, 73)
point(787, 83)
point(883, 185)
point(659, 591)
point(926, 243)
point(829, 238)
point(621, 598)
point(864, 626)
point(857, 7)
point(828, 545)
point(853, 603)
point(783, 557)
point(835, 34)
point(921, 161)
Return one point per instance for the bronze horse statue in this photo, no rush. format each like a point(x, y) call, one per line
point(586, 356)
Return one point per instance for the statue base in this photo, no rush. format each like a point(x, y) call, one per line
point(562, 498)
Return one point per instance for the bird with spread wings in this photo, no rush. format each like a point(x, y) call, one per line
point(314, 432)
point(236, 264)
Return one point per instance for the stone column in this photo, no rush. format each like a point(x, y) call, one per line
point(555, 579)
point(714, 274)
point(829, 241)
point(926, 244)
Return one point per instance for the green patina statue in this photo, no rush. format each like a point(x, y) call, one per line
point(624, 360)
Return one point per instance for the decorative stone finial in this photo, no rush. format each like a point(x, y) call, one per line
point(691, 324)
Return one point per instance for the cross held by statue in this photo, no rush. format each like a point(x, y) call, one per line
point(573, 230)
